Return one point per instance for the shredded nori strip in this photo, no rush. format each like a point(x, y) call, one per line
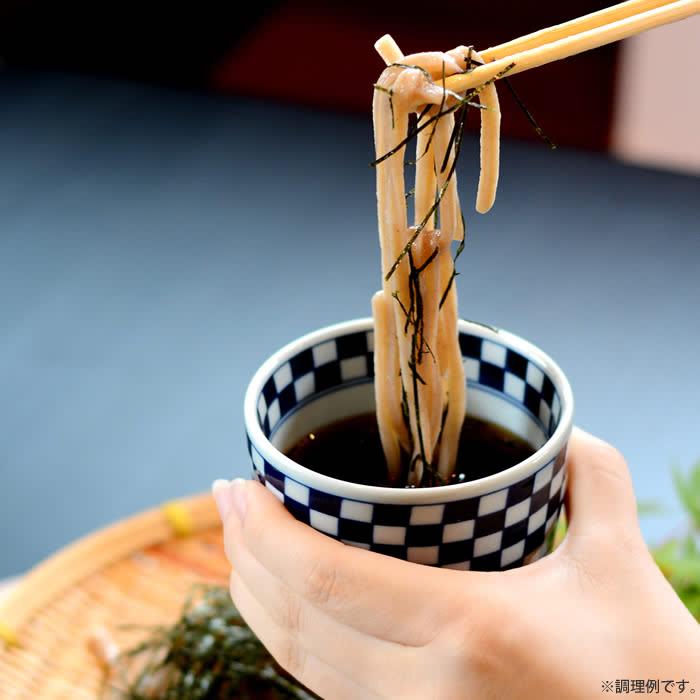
point(454, 274)
point(523, 107)
point(528, 115)
point(389, 92)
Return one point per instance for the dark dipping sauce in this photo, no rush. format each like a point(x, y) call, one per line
point(350, 449)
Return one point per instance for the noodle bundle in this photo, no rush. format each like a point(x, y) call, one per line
point(420, 387)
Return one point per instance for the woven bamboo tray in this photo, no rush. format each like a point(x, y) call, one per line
point(138, 571)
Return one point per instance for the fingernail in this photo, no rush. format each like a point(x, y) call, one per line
point(239, 497)
point(220, 489)
point(230, 496)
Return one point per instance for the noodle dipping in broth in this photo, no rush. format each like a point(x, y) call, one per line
point(420, 387)
point(420, 436)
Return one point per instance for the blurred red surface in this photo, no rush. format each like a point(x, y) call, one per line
point(322, 54)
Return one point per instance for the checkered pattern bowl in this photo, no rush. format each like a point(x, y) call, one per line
point(497, 522)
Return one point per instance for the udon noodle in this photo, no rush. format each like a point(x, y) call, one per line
point(420, 386)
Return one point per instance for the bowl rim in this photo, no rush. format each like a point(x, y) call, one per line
point(420, 496)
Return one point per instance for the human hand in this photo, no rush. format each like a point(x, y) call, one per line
point(349, 623)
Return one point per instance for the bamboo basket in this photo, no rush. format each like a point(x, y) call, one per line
point(137, 571)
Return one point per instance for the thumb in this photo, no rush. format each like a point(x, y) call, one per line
point(600, 497)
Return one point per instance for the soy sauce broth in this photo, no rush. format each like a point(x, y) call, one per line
point(350, 449)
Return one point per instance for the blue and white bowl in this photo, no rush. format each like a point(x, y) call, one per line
point(496, 522)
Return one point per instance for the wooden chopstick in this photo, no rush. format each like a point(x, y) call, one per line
point(389, 50)
point(576, 43)
point(574, 26)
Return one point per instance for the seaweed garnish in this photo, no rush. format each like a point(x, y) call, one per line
point(485, 325)
point(389, 92)
point(523, 108)
point(408, 65)
point(419, 127)
point(460, 118)
point(454, 274)
point(528, 115)
point(209, 653)
point(435, 123)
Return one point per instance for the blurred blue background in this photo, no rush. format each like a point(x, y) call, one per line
point(158, 242)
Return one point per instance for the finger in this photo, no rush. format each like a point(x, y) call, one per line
point(314, 673)
point(600, 495)
point(386, 666)
point(373, 593)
